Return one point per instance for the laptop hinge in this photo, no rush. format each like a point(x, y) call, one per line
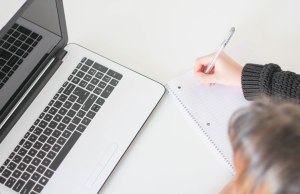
point(61, 54)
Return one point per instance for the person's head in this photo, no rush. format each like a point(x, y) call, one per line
point(265, 138)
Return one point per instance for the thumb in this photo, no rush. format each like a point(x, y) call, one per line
point(205, 78)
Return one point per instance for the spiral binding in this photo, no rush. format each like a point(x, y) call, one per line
point(170, 91)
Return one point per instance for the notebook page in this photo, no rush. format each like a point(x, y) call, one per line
point(208, 110)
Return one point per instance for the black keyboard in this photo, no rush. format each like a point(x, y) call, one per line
point(40, 152)
point(15, 46)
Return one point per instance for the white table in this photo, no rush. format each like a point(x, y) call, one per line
point(162, 39)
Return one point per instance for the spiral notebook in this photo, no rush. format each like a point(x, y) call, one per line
point(208, 109)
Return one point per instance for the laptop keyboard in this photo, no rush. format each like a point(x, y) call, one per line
point(38, 155)
point(15, 46)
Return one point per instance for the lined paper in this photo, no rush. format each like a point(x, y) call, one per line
point(208, 109)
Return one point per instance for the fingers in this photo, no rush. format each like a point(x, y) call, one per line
point(202, 62)
point(207, 79)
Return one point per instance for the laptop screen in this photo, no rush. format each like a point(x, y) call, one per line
point(44, 13)
point(34, 36)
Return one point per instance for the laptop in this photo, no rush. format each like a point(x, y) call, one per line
point(67, 114)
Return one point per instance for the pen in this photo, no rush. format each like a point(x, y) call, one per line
point(224, 43)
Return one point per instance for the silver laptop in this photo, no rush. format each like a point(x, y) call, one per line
point(67, 114)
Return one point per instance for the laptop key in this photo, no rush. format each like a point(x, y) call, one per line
point(2, 179)
point(66, 120)
point(15, 26)
point(100, 101)
point(13, 49)
point(10, 182)
point(6, 69)
point(16, 174)
point(41, 169)
point(114, 74)
point(18, 186)
point(25, 176)
point(35, 177)
point(107, 91)
point(65, 150)
point(60, 141)
point(30, 169)
point(49, 173)
point(2, 62)
point(6, 162)
point(29, 41)
point(114, 82)
point(4, 54)
point(20, 52)
point(35, 43)
point(91, 114)
point(12, 166)
point(17, 159)
point(47, 131)
point(62, 98)
point(36, 161)
point(46, 162)
point(81, 128)
point(34, 35)
point(71, 127)
point(6, 45)
point(62, 111)
point(43, 181)
point(12, 154)
point(6, 173)
point(89, 62)
point(24, 46)
point(22, 37)
point(37, 131)
point(84, 68)
point(27, 145)
point(27, 159)
point(95, 108)
point(51, 155)
point(32, 152)
point(28, 187)
point(82, 94)
point(86, 121)
point(38, 188)
point(106, 79)
point(69, 89)
point(11, 39)
point(61, 126)
point(100, 67)
point(41, 154)
point(2, 75)
point(37, 145)
point(24, 30)
point(89, 102)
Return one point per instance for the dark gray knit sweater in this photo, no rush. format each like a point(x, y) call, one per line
point(270, 80)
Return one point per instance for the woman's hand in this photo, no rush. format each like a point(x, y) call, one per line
point(226, 71)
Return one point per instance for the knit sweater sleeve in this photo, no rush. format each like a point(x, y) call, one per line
point(270, 80)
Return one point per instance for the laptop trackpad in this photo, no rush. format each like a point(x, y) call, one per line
point(95, 175)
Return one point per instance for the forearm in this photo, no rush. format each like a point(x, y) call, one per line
point(270, 80)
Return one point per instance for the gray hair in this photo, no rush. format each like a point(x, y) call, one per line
point(268, 134)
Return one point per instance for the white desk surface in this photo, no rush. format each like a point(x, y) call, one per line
point(162, 39)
